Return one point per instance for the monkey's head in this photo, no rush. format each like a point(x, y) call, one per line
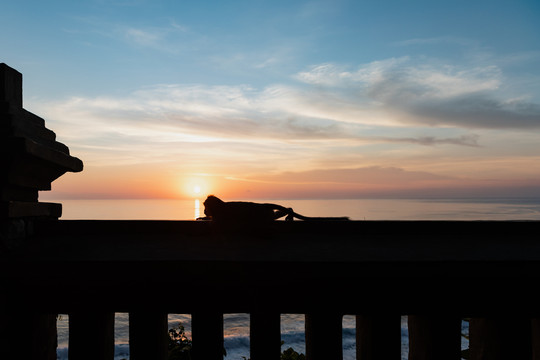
point(211, 204)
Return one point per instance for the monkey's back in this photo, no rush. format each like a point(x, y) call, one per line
point(240, 211)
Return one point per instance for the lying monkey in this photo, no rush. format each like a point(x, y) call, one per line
point(248, 212)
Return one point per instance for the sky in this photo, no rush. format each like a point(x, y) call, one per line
point(284, 99)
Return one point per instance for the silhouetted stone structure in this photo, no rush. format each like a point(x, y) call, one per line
point(30, 157)
point(30, 160)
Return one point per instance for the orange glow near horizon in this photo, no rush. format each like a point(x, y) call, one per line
point(161, 182)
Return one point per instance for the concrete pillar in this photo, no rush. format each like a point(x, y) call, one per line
point(324, 336)
point(500, 337)
point(207, 335)
point(91, 336)
point(535, 338)
point(434, 336)
point(148, 335)
point(265, 335)
point(378, 337)
point(28, 335)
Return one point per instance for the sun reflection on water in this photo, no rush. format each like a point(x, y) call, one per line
point(197, 208)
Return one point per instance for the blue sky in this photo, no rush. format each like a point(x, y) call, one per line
point(118, 45)
point(313, 98)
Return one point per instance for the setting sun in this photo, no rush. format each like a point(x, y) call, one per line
point(196, 186)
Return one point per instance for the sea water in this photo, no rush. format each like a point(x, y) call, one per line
point(236, 326)
point(355, 209)
point(236, 334)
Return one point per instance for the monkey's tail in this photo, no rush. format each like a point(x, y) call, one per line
point(311, 218)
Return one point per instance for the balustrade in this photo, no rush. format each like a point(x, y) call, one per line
point(375, 270)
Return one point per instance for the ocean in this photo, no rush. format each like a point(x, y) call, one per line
point(236, 326)
point(236, 331)
point(356, 209)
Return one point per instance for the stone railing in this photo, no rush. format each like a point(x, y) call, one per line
point(435, 272)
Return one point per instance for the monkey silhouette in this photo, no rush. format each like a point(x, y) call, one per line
point(221, 211)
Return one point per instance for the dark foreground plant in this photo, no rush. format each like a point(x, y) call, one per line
point(179, 344)
point(289, 354)
point(180, 347)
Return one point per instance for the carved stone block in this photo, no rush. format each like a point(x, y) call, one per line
point(30, 157)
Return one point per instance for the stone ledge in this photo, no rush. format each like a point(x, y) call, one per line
point(22, 145)
point(17, 209)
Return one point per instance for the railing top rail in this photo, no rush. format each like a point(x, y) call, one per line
point(354, 241)
point(116, 264)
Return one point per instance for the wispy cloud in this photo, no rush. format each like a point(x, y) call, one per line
point(377, 181)
point(143, 37)
point(460, 41)
point(331, 114)
point(360, 176)
point(168, 38)
point(425, 93)
point(470, 140)
point(234, 113)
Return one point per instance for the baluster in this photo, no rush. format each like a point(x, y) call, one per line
point(91, 336)
point(324, 336)
point(535, 338)
point(500, 337)
point(378, 337)
point(434, 336)
point(148, 335)
point(265, 335)
point(24, 334)
point(207, 335)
